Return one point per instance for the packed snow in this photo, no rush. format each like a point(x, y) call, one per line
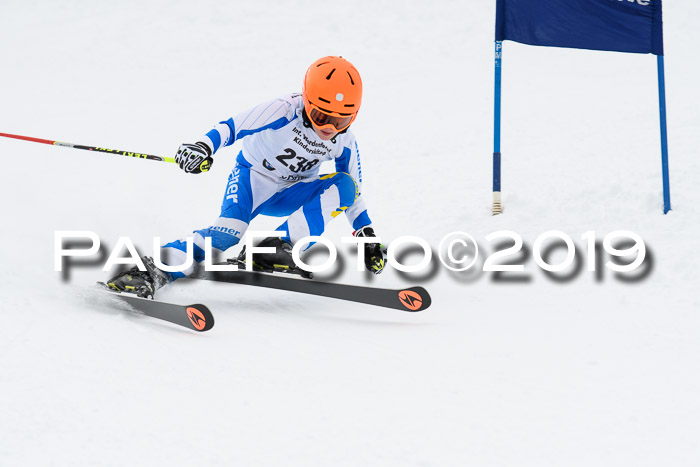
point(594, 370)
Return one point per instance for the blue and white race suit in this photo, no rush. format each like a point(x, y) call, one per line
point(277, 174)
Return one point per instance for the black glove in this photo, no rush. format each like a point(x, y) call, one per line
point(194, 158)
point(375, 253)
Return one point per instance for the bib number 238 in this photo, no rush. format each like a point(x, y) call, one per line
point(296, 163)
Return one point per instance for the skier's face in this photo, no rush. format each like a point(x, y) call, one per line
point(325, 133)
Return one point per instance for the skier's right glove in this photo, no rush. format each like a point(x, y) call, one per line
point(375, 253)
point(194, 158)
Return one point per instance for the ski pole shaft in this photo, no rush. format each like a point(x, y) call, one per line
point(91, 148)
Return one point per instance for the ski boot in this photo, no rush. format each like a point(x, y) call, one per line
point(279, 261)
point(140, 283)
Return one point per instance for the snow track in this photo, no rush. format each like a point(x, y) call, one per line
point(541, 373)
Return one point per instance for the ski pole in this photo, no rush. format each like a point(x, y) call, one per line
point(91, 148)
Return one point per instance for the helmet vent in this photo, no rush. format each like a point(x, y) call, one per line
point(351, 80)
point(330, 74)
point(324, 100)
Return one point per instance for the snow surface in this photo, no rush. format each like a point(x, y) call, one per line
point(541, 373)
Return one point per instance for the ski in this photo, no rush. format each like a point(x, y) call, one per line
point(195, 317)
point(409, 299)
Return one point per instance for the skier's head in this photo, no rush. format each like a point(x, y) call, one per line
point(332, 94)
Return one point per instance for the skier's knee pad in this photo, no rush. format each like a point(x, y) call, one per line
point(347, 188)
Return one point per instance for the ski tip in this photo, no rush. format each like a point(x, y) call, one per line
point(201, 318)
point(414, 299)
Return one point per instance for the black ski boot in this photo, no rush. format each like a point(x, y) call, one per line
point(141, 283)
point(279, 261)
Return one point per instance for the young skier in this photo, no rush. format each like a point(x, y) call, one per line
point(277, 174)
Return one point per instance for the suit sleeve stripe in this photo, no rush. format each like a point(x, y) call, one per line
point(229, 127)
point(215, 139)
point(342, 163)
point(361, 220)
point(221, 133)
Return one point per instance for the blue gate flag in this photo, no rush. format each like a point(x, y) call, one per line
point(616, 25)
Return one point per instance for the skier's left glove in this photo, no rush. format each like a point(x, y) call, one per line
point(194, 158)
point(375, 253)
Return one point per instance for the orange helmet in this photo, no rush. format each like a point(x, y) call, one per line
point(332, 93)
